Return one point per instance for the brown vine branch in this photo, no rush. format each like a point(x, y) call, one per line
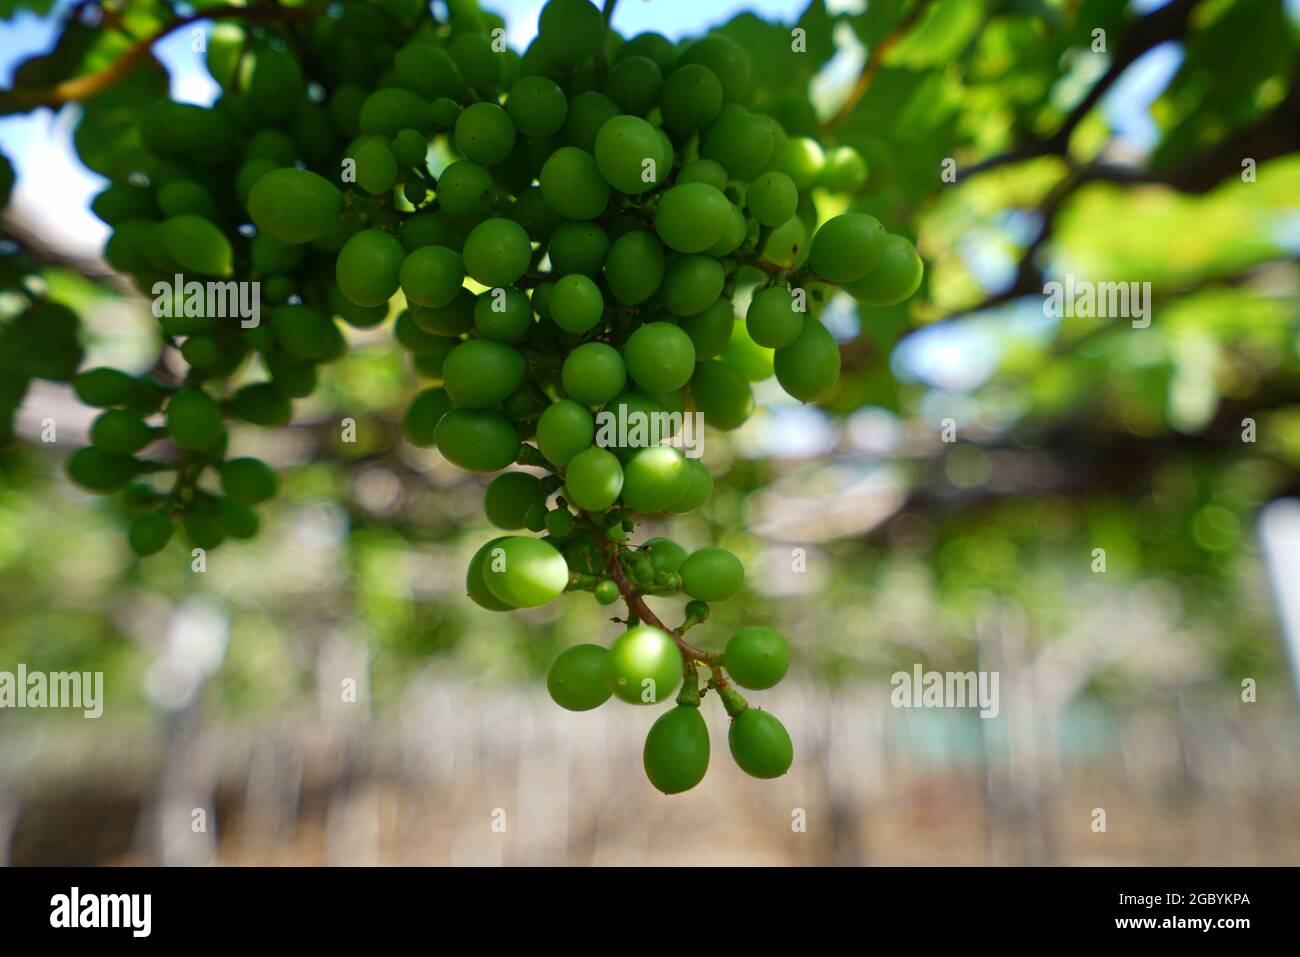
point(875, 61)
point(92, 84)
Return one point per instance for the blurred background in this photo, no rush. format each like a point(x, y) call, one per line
point(945, 508)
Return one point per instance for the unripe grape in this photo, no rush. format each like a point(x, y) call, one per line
point(150, 533)
point(570, 30)
point(634, 267)
point(726, 58)
point(98, 471)
point(721, 394)
point(376, 167)
point(593, 479)
point(453, 319)
point(393, 109)
point(504, 314)
point(712, 574)
point(746, 356)
point(477, 440)
point(197, 245)
point(691, 98)
point(576, 680)
point(302, 331)
point(660, 357)
point(895, 277)
point(772, 320)
point(428, 70)
point(634, 84)
point(525, 572)
point(676, 754)
point(627, 150)
point(497, 252)
point(772, 198)
point(572, 184)
point(845, 171)
point(431, 276)
point(485, 133)
point(466, 192)
point(803, 162)
point(120, 433)
point(369, 266)
point(691, 284)
point(537, 106)
point(691, 217)
point(665, 554)
point(410, 148)
point(643, 666)
point(741, 141)
point(606, 593)
point(508, 498)
point(847, 247)
point(294, 205)
point(248, 481)
point(475, 582)
point(707, 171)
point(757, 657)
point(576, 303)
point(809, 367)
point(698, 491)
point(477, 61)
point(760, 744)
point(560, 523)
point(262, 404)
point(194, 419)
point(564, 430)
point(593, 373)
point(655, 478)
point(588, 112)
point(710, 330)
point(578, 248)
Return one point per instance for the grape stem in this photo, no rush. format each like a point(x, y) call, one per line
point(637, 606)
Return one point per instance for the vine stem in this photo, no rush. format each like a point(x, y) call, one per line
point(84, 87)
point(637, 606)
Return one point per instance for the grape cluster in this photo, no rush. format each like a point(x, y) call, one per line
point(606, 202)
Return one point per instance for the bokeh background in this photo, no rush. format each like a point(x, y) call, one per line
point(1171, 156)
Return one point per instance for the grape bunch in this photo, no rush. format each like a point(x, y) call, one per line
point(602, 205)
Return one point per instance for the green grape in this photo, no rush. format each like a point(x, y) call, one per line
point(376, 167)
point(419, 341)
point(629, 154)
point(497, 252)
point(477, 440)
point(173, 129)
point(634, 267)
point(537, 106)
point(198, 245)
point(578, 248)
point(606, 593)
point(593, 479)
point(698, 491)
point(710, 329)
point(727, 60)
point(844, 171)
point(199, 351)
point(787, 244)
point(262, 404)
point(709, 172)
point(369, 267)
point(772, 198)
point(237, 521)
point(571, 31)
point(194, 419)
point(894, 278)
point(721, 394)
point(692, 217)
point(508, 498)
point(741, 141)
point(150, 533)
point(634, 84)
point(504, 314)
point(691, 284)
point(270, 256)
point(294, 205)
point(525, 572)
point(485, 134)
point(182, 196)
point(476, 583)
point(466, 192)
point(772, 320)
point(576, 303)
point(757, 658)
point(691, 98)
point(643, 666)
point(654, 479)
point(676, 754)
point(531, 212)
point(248, 481)
point(576, 679)
point(202, 524)
point(98, 471)
point(431, 276)
point(393, 109)
point(809, 367)
point(535, 517)
point(292, 376)
point(803, 162)
point(432, 228)
point(572, 184)
point(640, 414)
point(480, 373)
point(454, 319)
point(275, 84)
point(477, 61)
point(103, 386)
point(847, 247)
point(564, 430)
point(712, 574)
point(410, 148)
point(665, 554)
point(593, 373)
point(120, 433)
point(560, 523)
point(746, 356)
point(302, 331)
point(654, 46)
point(428, 70)
point(660, 357)
point(588, 112)
point(445, 113)
point(117, 204)
point(760, 744)
point(422, 416)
